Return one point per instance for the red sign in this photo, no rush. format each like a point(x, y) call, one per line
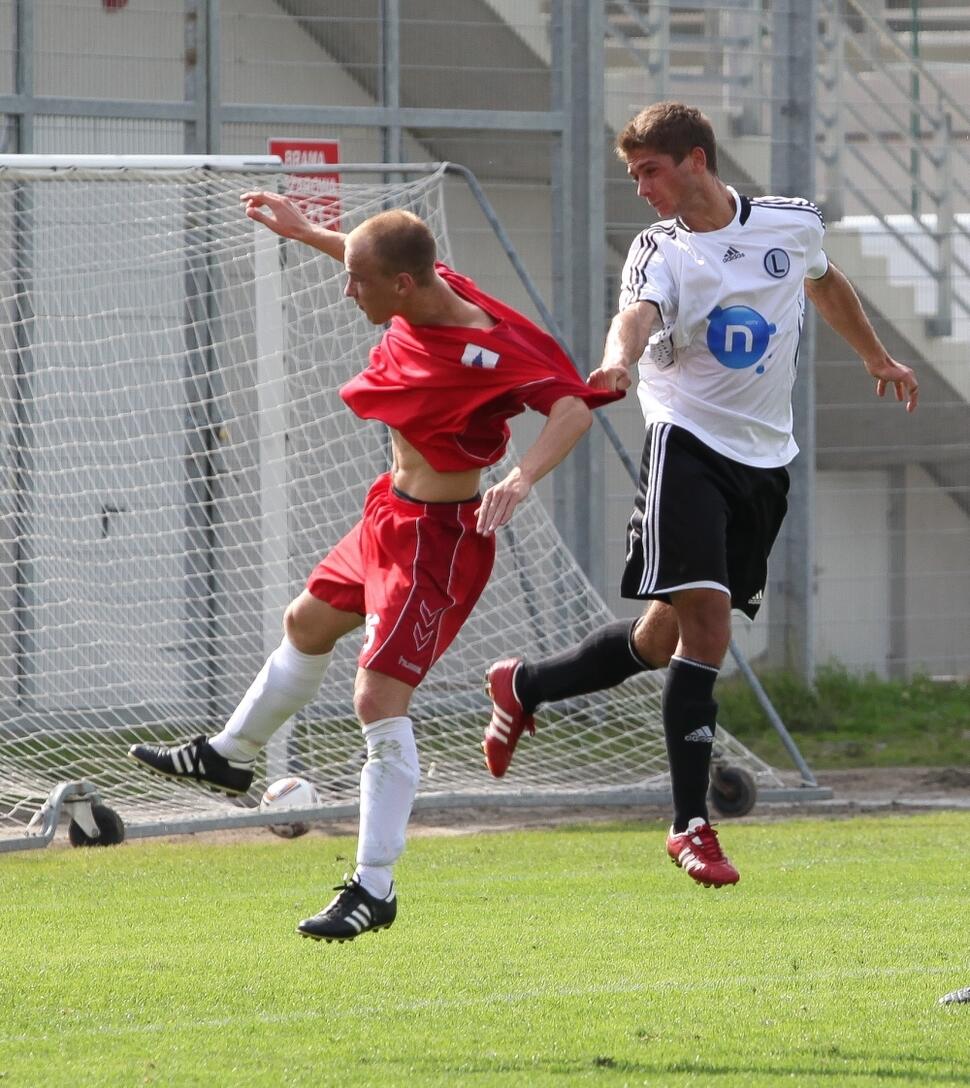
point(318, 194)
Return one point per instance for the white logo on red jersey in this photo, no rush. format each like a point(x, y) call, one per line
point(475, 355)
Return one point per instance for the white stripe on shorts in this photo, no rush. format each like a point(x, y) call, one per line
point(651, 507)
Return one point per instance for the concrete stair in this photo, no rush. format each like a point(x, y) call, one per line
point(854, 430)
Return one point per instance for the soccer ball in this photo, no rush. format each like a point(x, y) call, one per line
point(289, 793)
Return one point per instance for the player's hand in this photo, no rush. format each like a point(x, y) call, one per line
point(277, 212)
point(499, 502)
point(614, 379)
point(888, 372)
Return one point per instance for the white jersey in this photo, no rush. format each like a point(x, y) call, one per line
point(732, 302)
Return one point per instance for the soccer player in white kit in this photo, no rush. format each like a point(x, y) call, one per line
point(711, 308)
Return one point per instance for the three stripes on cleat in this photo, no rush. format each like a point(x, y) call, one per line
point(500, 725)
point(703, 883)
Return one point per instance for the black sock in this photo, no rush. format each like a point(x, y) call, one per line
point(602, 660)
point(689, 716)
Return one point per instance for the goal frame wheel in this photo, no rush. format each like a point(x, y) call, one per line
point(110, 826)
point(733, 790)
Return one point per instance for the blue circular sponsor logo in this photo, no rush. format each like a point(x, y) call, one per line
point(737, 336)
point(777, 263)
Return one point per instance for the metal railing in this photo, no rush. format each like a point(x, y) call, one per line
point(856, 44)
point(881, 111)
point(681, 43)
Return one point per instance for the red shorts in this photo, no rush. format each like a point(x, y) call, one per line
point(415, 570)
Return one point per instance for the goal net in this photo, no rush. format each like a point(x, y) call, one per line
point(176, 458)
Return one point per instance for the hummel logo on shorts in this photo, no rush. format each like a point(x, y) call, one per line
point(732, 254)
point(704, 735)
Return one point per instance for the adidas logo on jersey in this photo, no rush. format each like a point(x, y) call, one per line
point(757, 598)
point(732, 255)
point(704, 735)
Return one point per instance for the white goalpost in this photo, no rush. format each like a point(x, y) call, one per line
point(176, 459)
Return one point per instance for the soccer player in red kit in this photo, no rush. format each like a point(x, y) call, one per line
point(452, 367)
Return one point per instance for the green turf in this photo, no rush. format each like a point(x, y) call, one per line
point(531, 958)
point(846, 720)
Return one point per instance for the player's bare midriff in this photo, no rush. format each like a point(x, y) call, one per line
point(412, 474)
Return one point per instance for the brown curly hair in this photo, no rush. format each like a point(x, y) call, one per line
point(669, 128)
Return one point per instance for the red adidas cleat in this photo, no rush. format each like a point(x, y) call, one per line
point(508, 718)
point(699, 854)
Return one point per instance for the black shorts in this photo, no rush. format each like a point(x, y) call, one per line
point(701, 520)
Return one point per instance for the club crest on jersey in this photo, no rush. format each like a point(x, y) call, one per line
point(777, 263)
point(737, 336)
point(474, 355)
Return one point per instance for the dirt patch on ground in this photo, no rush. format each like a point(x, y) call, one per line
point(932, 787)
point(878, 789)
point(866, 790)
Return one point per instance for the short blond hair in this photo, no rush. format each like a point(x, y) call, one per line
point(402, 242)
point(669, 128)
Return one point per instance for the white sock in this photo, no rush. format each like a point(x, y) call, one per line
point(284, 685)
point(376, 879)
point(388, 782)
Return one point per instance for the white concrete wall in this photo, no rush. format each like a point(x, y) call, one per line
point(937, 579)
point(86, 51)
point(268, 58)
point(852, 565)
point(6, 47)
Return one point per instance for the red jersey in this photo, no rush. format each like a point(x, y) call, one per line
point(450, 390)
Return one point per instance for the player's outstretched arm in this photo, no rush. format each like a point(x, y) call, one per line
point(835, 299)
point(625, 343)
point(281, 215)
point(568, 421)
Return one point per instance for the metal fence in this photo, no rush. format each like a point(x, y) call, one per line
point(874, 569)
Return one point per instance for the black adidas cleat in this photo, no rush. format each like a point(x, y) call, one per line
point(352, 912)
point(195, 761)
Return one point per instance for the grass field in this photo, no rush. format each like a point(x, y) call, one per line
point(577, 956)
point(846, 720)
